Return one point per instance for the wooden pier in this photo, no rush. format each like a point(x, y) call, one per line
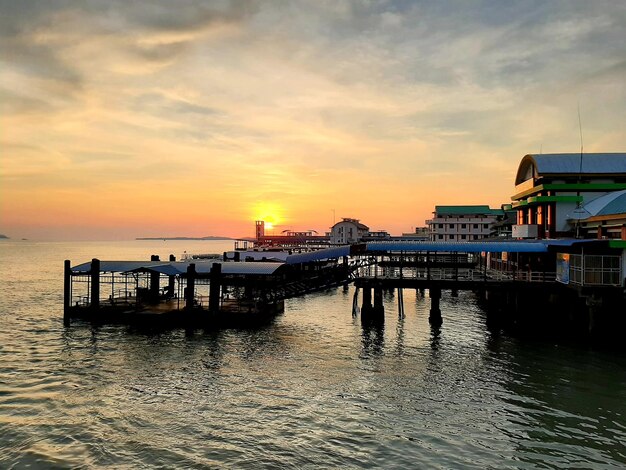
point(192, 292)
point(518, 282)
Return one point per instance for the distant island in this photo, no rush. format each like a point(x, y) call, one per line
point(4, 236)
point(185, 238)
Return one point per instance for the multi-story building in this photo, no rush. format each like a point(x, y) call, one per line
point(348, 231)
point(462, 223)
point(553, 189)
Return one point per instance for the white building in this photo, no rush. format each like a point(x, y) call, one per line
point(462, 223)
point(348, 231)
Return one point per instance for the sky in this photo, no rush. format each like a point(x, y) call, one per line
point(156, 118)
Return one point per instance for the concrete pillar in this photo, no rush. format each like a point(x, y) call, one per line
point(435, 312)
point(191, 285)
point(67, 291)
point(95, 283)
point(379, 310)
point(214, 289)
point(367, 301)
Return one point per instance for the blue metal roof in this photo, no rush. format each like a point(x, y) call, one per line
point(327, 253)
point(510, 246)
point(608, 204)
point(180, 267)
point(115, 266)
point(570, 163)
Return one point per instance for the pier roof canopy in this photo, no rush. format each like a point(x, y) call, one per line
point(535, 166)
point(461, 247)
point(114, 266)
point(319, 255)
point(173, 268)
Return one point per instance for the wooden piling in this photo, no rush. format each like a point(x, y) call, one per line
point(154, 281)
point(355, 302)
point(214, 288)
point(95, 284)
point(191, 286)
point(67, 291)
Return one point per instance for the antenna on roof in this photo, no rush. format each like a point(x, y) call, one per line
point(580, 212)
point(580, 129)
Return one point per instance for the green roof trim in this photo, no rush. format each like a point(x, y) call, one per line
point(617, 244)
point(570, 187)
point(540, 199)
point(467, 210)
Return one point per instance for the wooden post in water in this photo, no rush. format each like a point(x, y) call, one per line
point(171, 284)
point(67, 292)
point(154, 281)
point(355, 302)
point(95, 284)
point(435, 311)
point(191, 286)
point(214, 288)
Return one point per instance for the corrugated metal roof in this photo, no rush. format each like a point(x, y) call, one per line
point(597, 163)
point(180, 267)
point(116, 266)
point(327, 253)
point(260, 268)
point(608, 204)
point(510, 246)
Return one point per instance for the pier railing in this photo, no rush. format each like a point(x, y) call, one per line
point(455, 274)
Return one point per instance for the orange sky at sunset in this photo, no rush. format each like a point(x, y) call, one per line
point(135, 119)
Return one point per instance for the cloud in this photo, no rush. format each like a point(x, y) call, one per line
point(316, 103)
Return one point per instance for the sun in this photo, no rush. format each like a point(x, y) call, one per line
point(269, 212)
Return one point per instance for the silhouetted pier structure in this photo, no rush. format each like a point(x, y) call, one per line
point(515, 278)
point(205, 292)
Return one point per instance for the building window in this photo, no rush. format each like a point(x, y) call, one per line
point(451, 237)
point(463, 225)
point(475, 237)
point(463, 237)
point(485, 225)
point(475, 225)
point(440, 225)
point(440, 237)
point(451, 225)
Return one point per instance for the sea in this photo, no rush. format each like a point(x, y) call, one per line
point(313, 389)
